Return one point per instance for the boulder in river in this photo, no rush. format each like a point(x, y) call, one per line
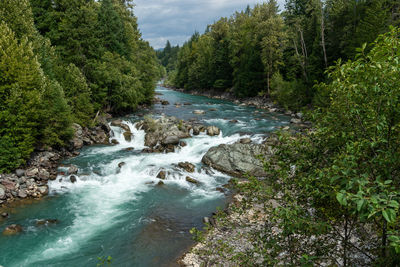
point(164, 132)
point(114, 142)
point(120, 124)
point(128, 136)
point(199, 112)
point(4, 215)
point(182, 143)
point(164, 102)
point(237, 159)
point(213, 130)
point(13, 229)
point(162, 175)
point(46, 222)
point(189, 167)
point(72, 179)
point(191, 180)
point(171, 140)
point(72, 170)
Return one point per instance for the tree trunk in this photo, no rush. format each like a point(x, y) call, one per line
point(303, 67)
point(323, 35)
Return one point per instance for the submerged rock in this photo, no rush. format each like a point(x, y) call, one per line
point(46, 222)
point(191, 180)
point(237, 159)
point(13, 229)
point(121, 164)
point(189, 167)
point(199, 112)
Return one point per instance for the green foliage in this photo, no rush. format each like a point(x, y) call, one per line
point(20, 99)
point(61, 60)
point(251, 47)
point(348, 167)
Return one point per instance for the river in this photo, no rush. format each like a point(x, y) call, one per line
point(119, 213)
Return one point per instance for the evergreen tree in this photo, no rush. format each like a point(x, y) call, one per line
point(21, 83)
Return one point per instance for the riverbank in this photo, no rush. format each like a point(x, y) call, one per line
point(31, 181)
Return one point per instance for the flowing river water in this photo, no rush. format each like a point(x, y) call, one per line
point(115, 213)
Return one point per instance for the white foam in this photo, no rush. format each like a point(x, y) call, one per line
point(98, 198)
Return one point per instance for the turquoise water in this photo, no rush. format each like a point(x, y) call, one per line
point(121, 213)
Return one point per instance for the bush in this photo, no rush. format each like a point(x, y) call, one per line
point(289, 94)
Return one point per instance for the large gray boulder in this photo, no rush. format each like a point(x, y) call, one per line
point(237, 159)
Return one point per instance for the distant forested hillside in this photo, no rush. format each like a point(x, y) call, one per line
point(262, 51)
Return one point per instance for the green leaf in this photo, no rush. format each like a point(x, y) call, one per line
point(360, 204)
point(389, 215)
point(394, 204)
point(341, 198)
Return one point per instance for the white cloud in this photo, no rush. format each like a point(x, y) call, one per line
point(177, 20)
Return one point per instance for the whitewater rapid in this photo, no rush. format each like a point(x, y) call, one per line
point(100, 191)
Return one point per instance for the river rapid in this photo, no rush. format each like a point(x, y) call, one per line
point(119, 212)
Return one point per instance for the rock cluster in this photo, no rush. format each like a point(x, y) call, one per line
point(99, 134)
point(31, 182)
point(165, 134)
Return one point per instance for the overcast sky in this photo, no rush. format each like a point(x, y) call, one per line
point(176, 20)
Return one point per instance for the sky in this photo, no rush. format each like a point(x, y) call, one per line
point(177, 20)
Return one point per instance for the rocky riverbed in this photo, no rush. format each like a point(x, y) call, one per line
point(31, 181)
point(148, 180)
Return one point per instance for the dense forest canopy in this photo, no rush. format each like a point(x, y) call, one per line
point(281, 54)
point(62, 62)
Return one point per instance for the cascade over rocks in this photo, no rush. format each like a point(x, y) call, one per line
point(237, 159)
point(165, 133)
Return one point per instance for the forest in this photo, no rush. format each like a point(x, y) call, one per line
point(282, 55)
point(63, 62)
point(336, 188)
